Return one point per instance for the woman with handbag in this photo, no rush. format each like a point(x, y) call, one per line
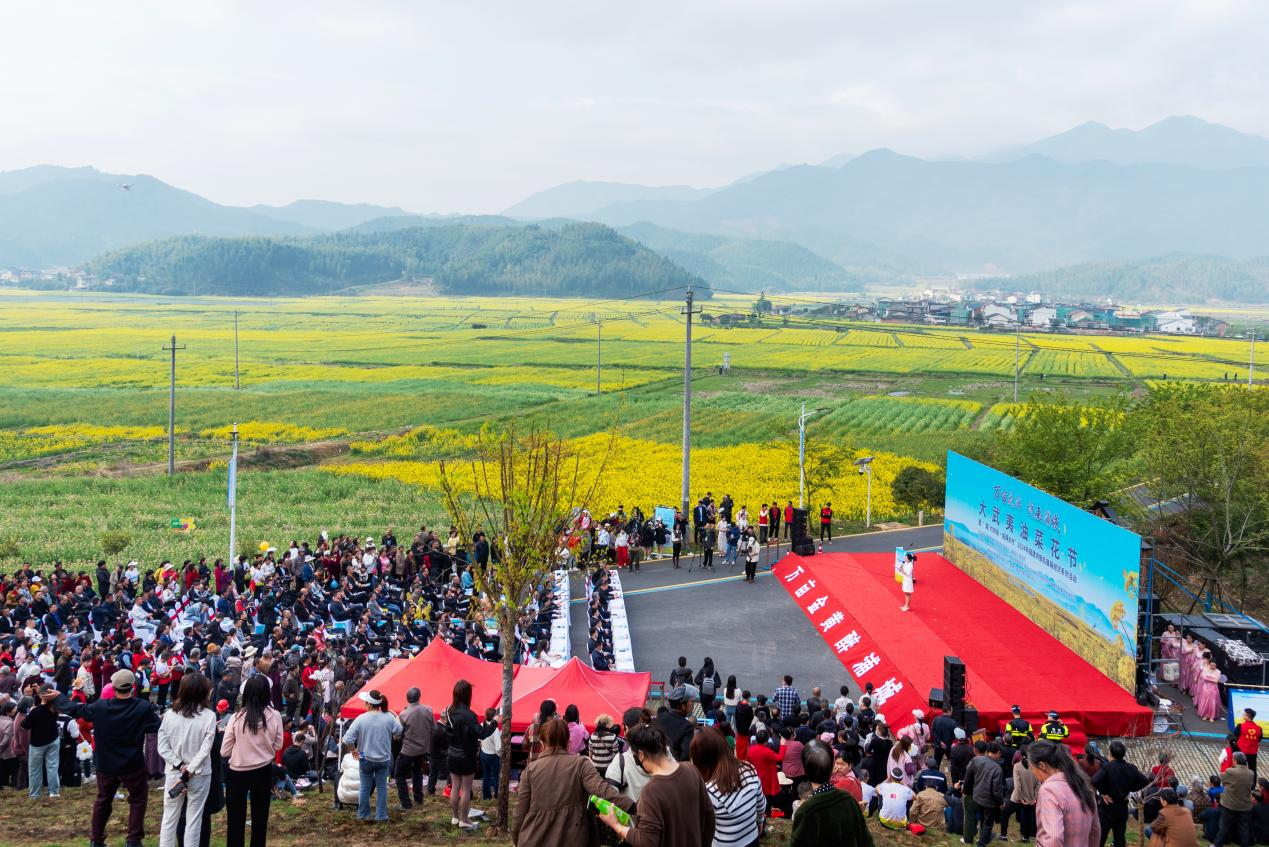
point(553, 794)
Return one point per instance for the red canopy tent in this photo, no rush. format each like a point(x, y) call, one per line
point(434, 672)
point(383, 682)
point(593, 692)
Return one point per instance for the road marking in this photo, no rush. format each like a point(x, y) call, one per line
point(764, 571)
point(679, 585)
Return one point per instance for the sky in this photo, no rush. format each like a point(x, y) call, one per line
point(471, 106)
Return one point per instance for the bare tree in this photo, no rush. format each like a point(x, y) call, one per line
point(521, 492)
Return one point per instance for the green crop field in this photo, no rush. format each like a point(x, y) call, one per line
point(84, 392)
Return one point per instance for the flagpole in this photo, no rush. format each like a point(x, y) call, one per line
point(233, 497)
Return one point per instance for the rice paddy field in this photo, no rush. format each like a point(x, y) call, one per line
point(344, 405)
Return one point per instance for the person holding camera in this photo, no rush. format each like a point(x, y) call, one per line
point(185, 743)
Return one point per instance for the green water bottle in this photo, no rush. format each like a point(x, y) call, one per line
point(605, 806)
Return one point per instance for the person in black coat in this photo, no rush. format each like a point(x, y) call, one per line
point(1114, 782)
point(678, 729)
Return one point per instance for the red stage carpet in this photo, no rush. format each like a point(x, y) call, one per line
point(1007, 657)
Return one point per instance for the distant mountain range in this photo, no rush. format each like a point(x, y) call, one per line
point(1091, 197)
point(52, 216)
point(1181, 140)
point(325, 215)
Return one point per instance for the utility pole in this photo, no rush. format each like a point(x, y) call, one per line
point(688, 311)
point(233, 497)
point(802, 419)
point(1251, 363)
point(236, 383)
point(599, 356)
point(1017, 346)
point(171, 411)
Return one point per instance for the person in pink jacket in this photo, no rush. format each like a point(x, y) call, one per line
point(1066, 806)
point(252, 740)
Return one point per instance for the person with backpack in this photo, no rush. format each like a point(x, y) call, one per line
point(751, 549)
point(708, 682)
point(622, 773)
point(681, 674)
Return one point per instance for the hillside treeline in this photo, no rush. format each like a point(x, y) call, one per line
point(574, 260)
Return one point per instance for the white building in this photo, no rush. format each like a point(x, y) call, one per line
point(1181, 322)
point(1042, 316)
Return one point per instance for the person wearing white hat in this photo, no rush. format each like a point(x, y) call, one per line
point(372, 733)
point(919, 732)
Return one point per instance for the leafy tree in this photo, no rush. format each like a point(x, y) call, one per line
point(1078, 451)
point(10, 547)
point(1206, 448)
point(523, 487)
point(918, 488)
point(114, 542)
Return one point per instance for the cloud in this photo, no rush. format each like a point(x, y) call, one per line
point(469, 107)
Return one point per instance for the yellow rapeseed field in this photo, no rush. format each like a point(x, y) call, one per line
point(634, 472)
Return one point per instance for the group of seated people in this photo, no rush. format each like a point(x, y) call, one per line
point(599, 644)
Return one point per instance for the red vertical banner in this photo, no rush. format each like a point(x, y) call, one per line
point(893, 694)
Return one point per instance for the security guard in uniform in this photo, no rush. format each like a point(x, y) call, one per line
point(1018, 732)
point(1054, 730)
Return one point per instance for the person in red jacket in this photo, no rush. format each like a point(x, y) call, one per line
point(767, 763)
point(788, 520)
point(1249, 737)
point(826, 522)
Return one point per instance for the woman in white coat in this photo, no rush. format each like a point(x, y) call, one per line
point(185, 743)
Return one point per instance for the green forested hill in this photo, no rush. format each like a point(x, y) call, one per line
point(577, 259)
point(1166, 279)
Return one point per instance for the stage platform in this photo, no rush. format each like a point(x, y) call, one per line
point(1008, 658)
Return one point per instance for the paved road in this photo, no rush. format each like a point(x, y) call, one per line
point(754, 631)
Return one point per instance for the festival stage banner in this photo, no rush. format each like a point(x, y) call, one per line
point(1072, 573)
point(893, 695)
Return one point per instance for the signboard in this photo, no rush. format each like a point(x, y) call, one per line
point(665, 514)
point(893, 694)
point(1072, 573)
point(1248, 698)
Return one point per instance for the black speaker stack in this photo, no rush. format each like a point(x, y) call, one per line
point(802, 544)
point(954, 688)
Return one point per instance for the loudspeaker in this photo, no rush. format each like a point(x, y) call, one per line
point(936, 698)
point(798, 531)
point(804, 546)
point(953, 683)
point(968, 720)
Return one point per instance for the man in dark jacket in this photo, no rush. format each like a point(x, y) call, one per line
point(987, 783)
point(678, 729)
point(119, 728)
point(959, 755)
point(1237, 783)
point(943, 734)
point(1114, 783)
point(827, 816)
